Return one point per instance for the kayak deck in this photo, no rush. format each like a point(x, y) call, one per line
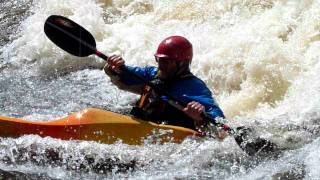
point(96, 125)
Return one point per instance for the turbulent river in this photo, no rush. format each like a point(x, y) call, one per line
point(259, 57)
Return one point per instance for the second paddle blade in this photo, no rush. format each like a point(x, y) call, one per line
point(253, 145)
point(69, 36)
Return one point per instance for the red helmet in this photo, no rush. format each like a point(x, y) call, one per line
point(175, 47)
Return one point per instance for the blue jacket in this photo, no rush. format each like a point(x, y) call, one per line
point(186, 90)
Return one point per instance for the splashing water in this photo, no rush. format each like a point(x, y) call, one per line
point(260, 58)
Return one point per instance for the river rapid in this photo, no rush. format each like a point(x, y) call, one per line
point(259, 57)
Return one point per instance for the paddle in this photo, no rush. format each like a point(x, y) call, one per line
point(76, 40)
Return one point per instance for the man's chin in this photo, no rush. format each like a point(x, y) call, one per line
point(165, 77)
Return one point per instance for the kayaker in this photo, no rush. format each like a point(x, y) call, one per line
point(174, 56)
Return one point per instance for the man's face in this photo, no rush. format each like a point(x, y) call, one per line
point(167, 68)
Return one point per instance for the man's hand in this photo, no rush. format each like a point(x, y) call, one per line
point(194, 110)
point(114, 63)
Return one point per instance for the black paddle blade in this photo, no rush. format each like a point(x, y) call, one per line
point(69, 36)
point(245, 138)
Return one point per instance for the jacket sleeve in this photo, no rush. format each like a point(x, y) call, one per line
point(128, 83)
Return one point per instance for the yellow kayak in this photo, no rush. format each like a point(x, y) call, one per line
point(96, 125)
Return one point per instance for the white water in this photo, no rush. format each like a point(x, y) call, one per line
point(259, 57)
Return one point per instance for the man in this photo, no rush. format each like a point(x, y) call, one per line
point(174, 56)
